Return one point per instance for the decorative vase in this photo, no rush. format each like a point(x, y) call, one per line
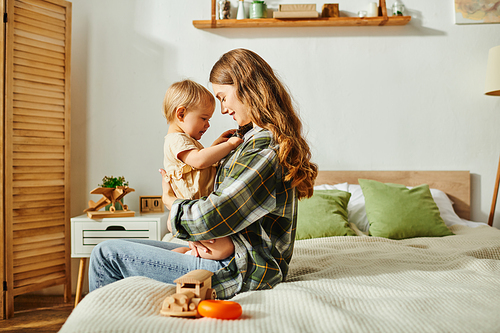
point(241, 10)
point(118, 205)
point(398, 8)
point(258, 9)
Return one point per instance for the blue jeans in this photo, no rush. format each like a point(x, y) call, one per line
point(116, 259)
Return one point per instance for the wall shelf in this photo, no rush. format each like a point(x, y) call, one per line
point(381, 20)
point(317, 22)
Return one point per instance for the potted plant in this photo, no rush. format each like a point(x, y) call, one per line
point(117, 183)
point(113, 182)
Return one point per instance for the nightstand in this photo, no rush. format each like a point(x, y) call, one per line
point(87, 233)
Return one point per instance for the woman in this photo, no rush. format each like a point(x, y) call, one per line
point(255, 197)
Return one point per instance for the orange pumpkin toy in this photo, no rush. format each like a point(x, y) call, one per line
point(219, 309)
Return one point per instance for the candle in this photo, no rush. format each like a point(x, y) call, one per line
point(372, 9)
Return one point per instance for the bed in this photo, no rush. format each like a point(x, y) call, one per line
point(356, 283)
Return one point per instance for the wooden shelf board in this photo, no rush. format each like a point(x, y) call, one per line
point(304, 22)
point(101, 214)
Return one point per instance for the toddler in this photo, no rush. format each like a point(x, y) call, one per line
point(191, 168)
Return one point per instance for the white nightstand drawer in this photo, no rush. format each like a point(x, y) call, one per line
point(87, 233)
point(144, 230)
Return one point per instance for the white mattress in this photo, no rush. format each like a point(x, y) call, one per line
point(336, 284)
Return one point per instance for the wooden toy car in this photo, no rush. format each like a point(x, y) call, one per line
point(192, 288)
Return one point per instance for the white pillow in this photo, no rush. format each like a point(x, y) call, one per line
point(445, 206)
point(356, 212)
point(342, 187)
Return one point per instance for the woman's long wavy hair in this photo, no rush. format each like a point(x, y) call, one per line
point(270, 107)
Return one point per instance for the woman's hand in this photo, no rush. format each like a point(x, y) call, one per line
point(197, 247)
point(168, 196)
point(224, 137)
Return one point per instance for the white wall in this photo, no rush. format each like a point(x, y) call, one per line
point(371, 98)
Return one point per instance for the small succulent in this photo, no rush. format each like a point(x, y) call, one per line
point(113, 181)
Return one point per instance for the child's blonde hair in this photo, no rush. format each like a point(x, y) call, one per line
point(188, 94)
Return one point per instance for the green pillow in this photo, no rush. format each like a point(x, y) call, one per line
point(324, 215)
point(396, 212)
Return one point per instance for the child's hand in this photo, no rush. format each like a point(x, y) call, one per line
point(235, 141)
point(224, 137)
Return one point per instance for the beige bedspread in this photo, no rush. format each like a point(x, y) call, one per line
point(336, 284)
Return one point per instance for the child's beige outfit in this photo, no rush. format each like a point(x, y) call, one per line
point(186, 181)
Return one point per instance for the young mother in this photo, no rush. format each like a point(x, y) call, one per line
point(255, 197)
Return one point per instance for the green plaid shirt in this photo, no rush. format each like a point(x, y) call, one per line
point(255, 207)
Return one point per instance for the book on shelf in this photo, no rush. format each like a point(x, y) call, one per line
point(301, 14)
point(297, 7)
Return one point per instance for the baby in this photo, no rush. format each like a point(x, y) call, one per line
point(191, 168)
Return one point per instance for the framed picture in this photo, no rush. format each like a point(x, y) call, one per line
point(477, 11)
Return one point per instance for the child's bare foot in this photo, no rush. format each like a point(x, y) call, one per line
point(181, 249)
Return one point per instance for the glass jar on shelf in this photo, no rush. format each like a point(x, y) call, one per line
point(258, 9)
point(398, 8)
point(224, 9)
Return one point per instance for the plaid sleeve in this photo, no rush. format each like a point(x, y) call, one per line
point(246, 192)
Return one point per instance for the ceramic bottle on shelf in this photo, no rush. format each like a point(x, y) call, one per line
point(372, 9)
point(241, 10)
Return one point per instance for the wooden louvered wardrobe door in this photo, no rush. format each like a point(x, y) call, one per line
point(37, 147)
